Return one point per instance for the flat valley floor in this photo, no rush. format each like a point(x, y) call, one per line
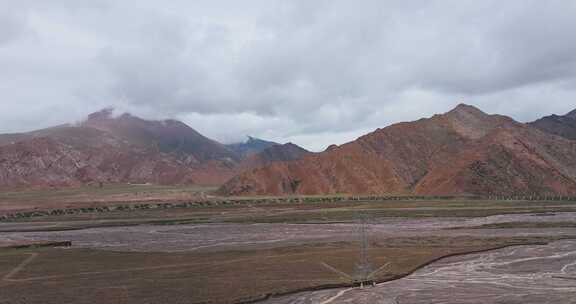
point(450, 251)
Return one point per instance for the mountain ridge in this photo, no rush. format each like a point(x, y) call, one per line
point(168, 136)
point(463, 151)
point(561, 125)
point(119, 149)
point(251, 146)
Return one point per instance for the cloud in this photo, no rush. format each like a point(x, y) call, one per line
point(313, 72)
point(13, 25)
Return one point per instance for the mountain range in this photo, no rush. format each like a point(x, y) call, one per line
point(564, 126)
point(127, 149)
point(463, 151)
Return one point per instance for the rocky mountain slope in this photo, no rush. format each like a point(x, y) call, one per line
point(564, 126)
point(464, 151)
point(94, 157)
point(122, 149)
point(167, 136)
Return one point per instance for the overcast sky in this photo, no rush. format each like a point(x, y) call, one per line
point(313, 72)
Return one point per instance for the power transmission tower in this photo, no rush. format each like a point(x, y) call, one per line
point(364, 271)
point(363, 267)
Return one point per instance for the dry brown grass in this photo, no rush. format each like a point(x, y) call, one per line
point(81, 196)
point(93, 276)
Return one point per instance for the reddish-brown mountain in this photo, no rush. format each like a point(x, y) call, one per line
point(80, 155)
point(121, 149)
point(114, 149)
point(167, 136)
point(464, 151)
point(564, 126)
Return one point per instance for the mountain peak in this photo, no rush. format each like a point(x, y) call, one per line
point(472, 122)
point(250, 146)
point(251, 139)
point(572, 114)
point(105, 113)
point(564, 126)
point(463, 108)
point(275, 153)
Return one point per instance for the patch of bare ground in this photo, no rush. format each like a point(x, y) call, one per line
point(243, 253)
point(95, 276)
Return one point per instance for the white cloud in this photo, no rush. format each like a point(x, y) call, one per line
point(312, 72)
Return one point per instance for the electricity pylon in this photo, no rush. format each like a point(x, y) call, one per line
point(364, 271)
point(363, 267)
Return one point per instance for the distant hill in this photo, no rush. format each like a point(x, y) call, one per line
point(104, 148)
point(464, 151)
point(168, 136)
point(251, 146)
point(564, 126)
point(126, 149)
point(275, 153)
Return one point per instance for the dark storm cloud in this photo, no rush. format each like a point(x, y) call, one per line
point(313, 72)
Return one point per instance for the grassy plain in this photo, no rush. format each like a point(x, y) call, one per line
point(53, 275)
point(82, 275)
point(18, 199)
